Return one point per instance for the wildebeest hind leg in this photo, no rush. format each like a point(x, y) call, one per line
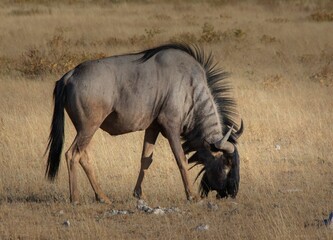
point(146, 158)
point(72, 158)
point(77, 153)
point(86, 165)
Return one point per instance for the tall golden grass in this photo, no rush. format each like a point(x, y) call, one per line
point(280, 57)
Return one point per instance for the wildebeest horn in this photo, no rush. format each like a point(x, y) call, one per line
point(226, 137)
point(224, 144)
point(228, 147)
point(240, 130)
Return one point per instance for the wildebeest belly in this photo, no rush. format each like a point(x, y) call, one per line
point(120, 123)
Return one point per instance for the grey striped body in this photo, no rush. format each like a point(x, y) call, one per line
point(129, 96)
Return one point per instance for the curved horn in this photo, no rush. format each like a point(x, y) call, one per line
point(225, 138)
point(224, 144)
point(240, 130)
point(228, 147)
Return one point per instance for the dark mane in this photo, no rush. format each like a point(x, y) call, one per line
point(216, 79)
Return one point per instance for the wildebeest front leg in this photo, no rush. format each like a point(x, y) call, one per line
point(176, 146)
point(146, 158)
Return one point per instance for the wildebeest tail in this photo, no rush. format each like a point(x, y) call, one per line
point(56, 138)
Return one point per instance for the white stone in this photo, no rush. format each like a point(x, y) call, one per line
point(158, 211)
point(202, 227)
point(67, 223)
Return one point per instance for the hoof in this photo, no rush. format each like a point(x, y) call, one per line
point(75, 203)
point(192, 199)
point(137, 193)
point(74, 200)
point(106, 201)
point(103, 199)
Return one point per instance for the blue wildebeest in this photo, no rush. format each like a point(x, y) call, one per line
point(174, 90)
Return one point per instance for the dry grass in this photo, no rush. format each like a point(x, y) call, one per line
point(322, 16)
point(281, 65)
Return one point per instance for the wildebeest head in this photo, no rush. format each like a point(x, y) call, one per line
point(221, 167)
point(220, 172)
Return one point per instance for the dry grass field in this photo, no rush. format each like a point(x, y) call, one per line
point(280, 56)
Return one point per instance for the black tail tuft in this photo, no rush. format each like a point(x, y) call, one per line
point(56, 138)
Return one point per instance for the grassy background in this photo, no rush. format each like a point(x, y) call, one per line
point(280, 56)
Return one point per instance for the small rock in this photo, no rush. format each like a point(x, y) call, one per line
point(158, 211)
point(123, 212)
point(202, 227)
point(172, 210)
point(143, 206)
point(277, 147)
point(66, 223)
point(61, 212)
point(114, 212)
